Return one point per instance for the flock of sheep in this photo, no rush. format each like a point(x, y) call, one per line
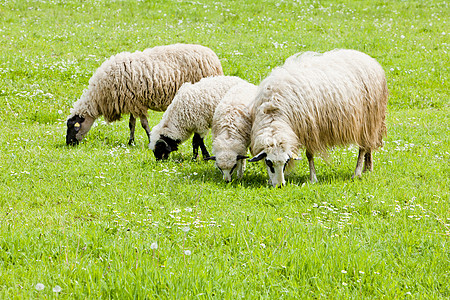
point(314, 102)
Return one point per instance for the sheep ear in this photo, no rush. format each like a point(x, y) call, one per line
point(239, 157)
point(258, 157)
point(210, 158)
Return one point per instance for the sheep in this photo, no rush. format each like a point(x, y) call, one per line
point(231, 127)
point(317, 101)
point(135, 82)
point(191, 111)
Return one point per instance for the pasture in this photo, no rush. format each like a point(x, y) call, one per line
point(105, 220)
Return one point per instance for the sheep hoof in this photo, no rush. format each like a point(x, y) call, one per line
point(356, 176)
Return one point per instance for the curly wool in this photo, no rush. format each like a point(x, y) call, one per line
point(316, 101)
point(192, 109)
point(135, 82)
point(232, 125)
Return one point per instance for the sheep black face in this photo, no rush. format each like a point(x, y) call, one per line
point(276, 165)
point(164, 146)
point(73, 128)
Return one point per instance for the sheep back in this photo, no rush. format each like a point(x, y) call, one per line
point(317, 101)
point(193, 108)
point(135, 82)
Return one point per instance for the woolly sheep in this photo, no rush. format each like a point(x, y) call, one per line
point(191, 111)
point(231, 127)
point(135, 82)
point(316, 101)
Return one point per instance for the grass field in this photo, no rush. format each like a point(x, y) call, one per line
point(104, 220)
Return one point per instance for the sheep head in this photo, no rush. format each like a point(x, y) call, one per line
point(228, 163)
point(163, 146)
point(77, 127)
point(276, 164)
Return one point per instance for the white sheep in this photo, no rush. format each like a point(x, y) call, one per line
point(231, 127)
point(317, 101)
point(135, 82)
point(191, 111)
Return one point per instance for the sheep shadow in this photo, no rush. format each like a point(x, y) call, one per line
point(341, 175)
point(202, 171)
point(254, 177)
point(257, 177)
point(107, 143)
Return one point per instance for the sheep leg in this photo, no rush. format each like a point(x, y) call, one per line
point(240, 168)
point(359, 163)
point(197, 142)
point(132, 126)
point(368, 162)
point(312, 169)
point(195, 145)
point(205, 153)
point(144, 123)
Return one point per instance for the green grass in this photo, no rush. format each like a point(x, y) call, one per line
point(84, 218)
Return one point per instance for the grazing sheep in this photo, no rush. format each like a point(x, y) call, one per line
point(191, 111)
point(231, 127)
point(135, 82)
point(316, 101)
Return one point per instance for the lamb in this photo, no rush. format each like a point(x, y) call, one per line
point(316, 101)
point(231, 127)
point(191, 111)
point(135, 82)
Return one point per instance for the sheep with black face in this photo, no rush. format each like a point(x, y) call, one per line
point(191, 112)
point(317, 101)
point(231, 127)
point(132, 83)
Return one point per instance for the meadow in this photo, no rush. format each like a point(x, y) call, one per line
point(104, 220)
